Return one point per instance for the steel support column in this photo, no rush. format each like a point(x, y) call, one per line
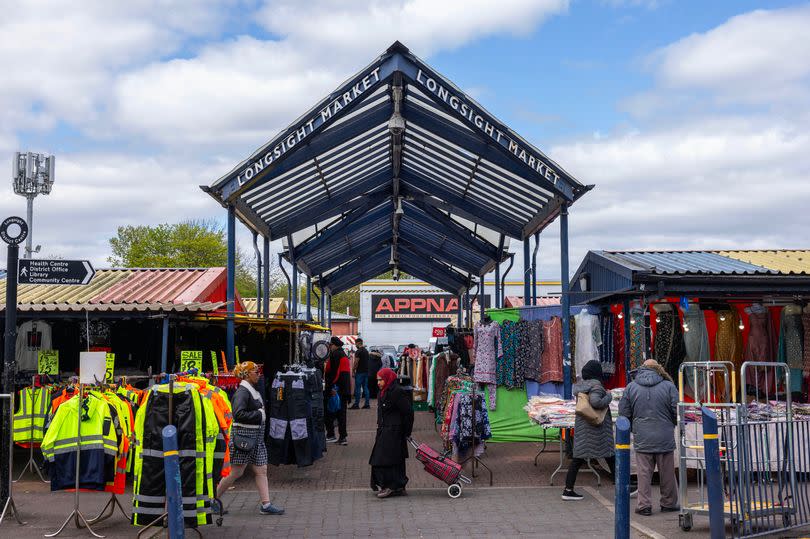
point(294, 285)
point(230, 294)
point(286, 276)
point(534, 267)
point(498, 302)
point(481, 302)
point(329, 311)
point(503, 280)
point(309, 298)
point(566, 301)
point(266, 276)
point(527, 273)
point(164, 347)
point(258, 274)
point(460, 322)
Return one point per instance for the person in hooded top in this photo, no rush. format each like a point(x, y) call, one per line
point(591, 441)
point(337, 377)
point(394, 426)
point(650, 402)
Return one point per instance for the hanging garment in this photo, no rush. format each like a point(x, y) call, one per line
point(696, 345)
point(33, 413)
point(696, 339)
point(488, 349)
point(551, 358)
point(89, 430)
point(638, 340)
point(149, 488)
point(806, 349)
point(506, 370)
point(468, 432)
point(761, 342)
point(606, 351)
point(290, 422)
point(32, 337)
point(728, 343)
point(669, 345)
point(534, 345)
point(790, 345)
point(588, 339)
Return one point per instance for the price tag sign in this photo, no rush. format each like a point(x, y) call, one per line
point(214, 362)
point(48, 362)
point(110, 367)
point(191, 359)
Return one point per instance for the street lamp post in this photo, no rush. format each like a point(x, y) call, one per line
point(32, 174)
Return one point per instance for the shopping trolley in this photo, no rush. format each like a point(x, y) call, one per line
point(441, 467)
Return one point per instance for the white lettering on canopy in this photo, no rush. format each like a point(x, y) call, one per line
point(469, 113)
point(306, 129)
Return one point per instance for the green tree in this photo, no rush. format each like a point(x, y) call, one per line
point(188, 244)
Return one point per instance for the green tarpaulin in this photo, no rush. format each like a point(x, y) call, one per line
point(510, 422)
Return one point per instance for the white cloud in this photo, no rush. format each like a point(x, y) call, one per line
point(245, 90)
point(759, 57)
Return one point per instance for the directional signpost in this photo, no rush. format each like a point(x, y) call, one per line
point(66, 272)
point(13, 231)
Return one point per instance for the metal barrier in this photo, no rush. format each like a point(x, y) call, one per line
point(770, 455)
point(711, 385)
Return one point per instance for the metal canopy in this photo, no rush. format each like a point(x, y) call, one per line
point(397, 169)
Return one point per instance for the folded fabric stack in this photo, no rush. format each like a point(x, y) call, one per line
point(551, 411)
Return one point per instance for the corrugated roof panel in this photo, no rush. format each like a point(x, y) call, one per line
point(783, 260)
point(687, 262)
point(150, 286)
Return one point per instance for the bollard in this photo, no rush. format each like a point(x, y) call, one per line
point(622, 504)
point(174, 493)
point(714, 481)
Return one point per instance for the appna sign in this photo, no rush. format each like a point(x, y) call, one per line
point(412, 307)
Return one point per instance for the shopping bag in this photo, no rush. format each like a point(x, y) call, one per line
point(587, 412)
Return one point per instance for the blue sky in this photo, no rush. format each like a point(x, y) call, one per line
point(690, 117)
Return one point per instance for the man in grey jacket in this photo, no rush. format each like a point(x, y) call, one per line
point(650, 402)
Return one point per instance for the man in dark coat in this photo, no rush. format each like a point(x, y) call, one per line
point(361, 374)
point(650, 402)
point(394, 425)
point(337, 377)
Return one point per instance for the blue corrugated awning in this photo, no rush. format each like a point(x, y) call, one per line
point(397, 160)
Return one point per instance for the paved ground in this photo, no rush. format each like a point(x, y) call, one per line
point(332, 499)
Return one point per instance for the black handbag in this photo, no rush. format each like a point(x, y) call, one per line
point(244, 443)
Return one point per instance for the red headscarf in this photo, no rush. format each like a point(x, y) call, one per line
point(388, 377)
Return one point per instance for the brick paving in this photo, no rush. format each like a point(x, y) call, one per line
point(332, 499)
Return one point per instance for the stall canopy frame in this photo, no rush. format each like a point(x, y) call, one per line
point(398, 169)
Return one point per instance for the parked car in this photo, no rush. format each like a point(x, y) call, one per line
point(388, 352)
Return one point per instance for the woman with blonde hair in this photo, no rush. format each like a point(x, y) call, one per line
point(247, 438)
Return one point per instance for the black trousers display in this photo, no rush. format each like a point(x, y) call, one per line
point(340, 416)
point(290, 422)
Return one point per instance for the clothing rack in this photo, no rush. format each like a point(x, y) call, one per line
point(474, 458)
point(76, 513)
point(32, 464)
point(9, 506)
point(162, 520)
